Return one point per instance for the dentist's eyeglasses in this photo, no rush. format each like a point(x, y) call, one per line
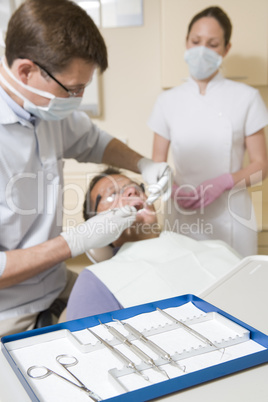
point(69, 91)
point(113, 193)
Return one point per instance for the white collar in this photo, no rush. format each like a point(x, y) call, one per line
point(212, 83)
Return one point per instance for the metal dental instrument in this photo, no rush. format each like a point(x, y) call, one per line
point(135, 349)
point(163, 181)
point(188, 329)
point(129, 363)
point(153, 346)
point(65, 361)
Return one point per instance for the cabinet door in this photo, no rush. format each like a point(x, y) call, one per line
point(247, 58)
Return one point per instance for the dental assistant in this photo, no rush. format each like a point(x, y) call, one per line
point(52, 50)
point(209, 122)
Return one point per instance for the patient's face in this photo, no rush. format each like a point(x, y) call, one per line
point(116, 191)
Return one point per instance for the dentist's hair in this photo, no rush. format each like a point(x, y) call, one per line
point(53, 33)
point(220, 16)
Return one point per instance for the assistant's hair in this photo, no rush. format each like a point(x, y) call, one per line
point(88, 209)
point(52, 33)
point(220, 16)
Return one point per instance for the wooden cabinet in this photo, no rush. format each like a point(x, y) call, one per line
point(247, 60)
point(263, 242)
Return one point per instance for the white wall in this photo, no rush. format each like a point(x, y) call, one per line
point(132, 82)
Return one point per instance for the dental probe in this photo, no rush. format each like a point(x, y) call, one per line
point(129, 363)
point(135, 349)
point(160, 185)
point(188, 329)
point(153, 346)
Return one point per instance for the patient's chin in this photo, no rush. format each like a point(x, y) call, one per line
point(146, 215)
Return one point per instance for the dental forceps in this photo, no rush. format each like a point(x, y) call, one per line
point(189, 329)
point(65, 361)
point(152, 345)
point(129, 363)
point(135, 349)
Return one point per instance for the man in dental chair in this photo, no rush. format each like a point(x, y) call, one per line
point(146, 264)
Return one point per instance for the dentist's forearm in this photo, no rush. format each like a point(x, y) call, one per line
point(23, 264)
point(120, 155)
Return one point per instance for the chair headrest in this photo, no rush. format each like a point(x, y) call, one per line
point(100, 254)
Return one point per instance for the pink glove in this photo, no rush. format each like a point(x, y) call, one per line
point(205, 193)
point(184, 197)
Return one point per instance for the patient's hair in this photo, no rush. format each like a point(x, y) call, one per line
point(88, 209)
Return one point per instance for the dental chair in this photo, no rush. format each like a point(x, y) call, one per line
point(96, 255)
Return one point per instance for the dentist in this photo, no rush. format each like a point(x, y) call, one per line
point(52, 50)
point(209, 122)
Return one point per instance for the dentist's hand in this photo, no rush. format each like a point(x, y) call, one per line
point(159, 177)
point(100, 230)
point(204, 194)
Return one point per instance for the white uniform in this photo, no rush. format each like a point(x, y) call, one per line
point(31, 191)
point(207, 136)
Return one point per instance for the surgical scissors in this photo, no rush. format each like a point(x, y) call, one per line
point(65, 361)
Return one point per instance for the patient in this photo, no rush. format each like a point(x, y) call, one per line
point(149, 265)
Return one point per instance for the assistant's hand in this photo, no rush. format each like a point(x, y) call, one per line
point(204, 194)
point(100, 230)
point(159, 176)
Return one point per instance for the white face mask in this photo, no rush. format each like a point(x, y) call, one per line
point(57, 109)
point(202, 61)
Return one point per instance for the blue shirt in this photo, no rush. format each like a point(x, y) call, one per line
point(31, 192)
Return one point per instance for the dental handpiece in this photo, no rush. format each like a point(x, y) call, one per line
point(135, 349)
point(153, 346)
point(129, 363)
point(187, 328)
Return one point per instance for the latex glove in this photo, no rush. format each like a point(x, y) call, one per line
point(204, 194)
point(159, 177)
point(100, 230)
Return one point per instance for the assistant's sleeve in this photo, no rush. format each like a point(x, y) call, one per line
point(89, 297)
point(158, 122)
point(257, 116)
point(82, 139)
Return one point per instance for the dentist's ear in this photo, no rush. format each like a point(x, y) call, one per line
point(24, 69)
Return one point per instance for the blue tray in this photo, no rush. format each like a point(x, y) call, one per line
point(165, 387)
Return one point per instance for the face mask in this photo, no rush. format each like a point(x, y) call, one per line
point(202, 62)
point(57, 109)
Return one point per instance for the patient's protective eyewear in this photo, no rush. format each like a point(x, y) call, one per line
point(113, 193)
